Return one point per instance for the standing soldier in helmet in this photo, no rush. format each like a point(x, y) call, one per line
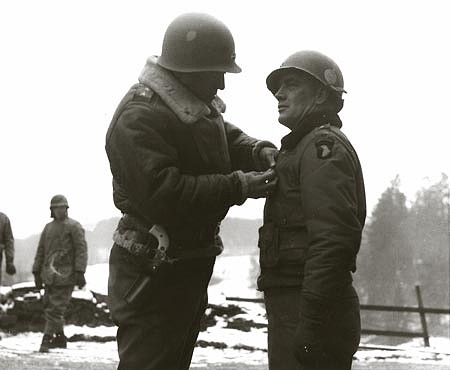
point(178, 167)
point(312, 223)
point(6, 245)
point(59, 265)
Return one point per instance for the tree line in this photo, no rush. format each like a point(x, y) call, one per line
point(407, 244)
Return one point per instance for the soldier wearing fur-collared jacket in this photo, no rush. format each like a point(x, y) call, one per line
point(312, 223)
point(177, 164)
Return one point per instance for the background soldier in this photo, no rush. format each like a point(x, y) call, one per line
point(6, 245)
point(313, 223)
point(176, 163)
point(59, 265)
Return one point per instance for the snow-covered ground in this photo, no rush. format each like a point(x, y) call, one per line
point(231, 278)
point(28, 343)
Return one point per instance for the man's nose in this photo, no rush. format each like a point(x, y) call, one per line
point(279, 95)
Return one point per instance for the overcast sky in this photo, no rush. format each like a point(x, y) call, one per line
point(65, 65)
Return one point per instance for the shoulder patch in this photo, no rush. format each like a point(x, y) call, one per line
point(324, 147)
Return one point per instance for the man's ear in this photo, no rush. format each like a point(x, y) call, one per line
point(322, 95)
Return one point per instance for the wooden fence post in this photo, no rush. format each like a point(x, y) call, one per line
point(423, 320)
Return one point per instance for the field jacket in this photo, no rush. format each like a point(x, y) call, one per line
point(61, 252)
point(314, 221)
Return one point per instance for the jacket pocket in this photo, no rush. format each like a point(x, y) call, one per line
point(293, 245)
point(268, 245)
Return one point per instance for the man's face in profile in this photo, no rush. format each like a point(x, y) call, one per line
point(296, 95)
point(203, 85)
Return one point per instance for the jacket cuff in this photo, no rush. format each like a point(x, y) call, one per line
point(244, 187)
point(259, 165)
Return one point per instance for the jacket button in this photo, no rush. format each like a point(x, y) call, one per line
point(283, 221)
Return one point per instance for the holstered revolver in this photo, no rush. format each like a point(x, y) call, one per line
point(151, 266)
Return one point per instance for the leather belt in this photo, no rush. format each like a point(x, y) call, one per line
point(133, 235)
point(130, 240)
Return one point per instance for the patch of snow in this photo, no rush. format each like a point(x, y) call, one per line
point(204, 356)
point(5, 290)
point(97, 278)
point(409, 352)
point(84, 294)
point(27, 343)
point(101, 331)
point(25, 284)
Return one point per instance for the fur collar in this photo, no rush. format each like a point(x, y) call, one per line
point(187, 107)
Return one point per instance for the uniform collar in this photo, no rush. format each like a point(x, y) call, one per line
point(308, 124)
point(187, 107)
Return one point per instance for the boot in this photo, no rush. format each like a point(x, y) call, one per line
point(59, 341)
point(46, 343)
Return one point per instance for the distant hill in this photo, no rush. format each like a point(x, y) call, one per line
point(240, 237)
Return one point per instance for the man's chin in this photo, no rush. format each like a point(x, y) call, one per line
point(208, 98)
point(282, 119)
point(285, 121)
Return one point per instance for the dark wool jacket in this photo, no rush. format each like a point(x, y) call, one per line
point(176, 162)
point(313, 223)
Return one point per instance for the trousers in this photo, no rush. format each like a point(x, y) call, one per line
point(159, 330)
point(341, 337)
point(56, 300)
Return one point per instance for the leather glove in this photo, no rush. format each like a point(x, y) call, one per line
point(80, 281)
point(38, 280)
point(260, 184)
point(308, 347)
point(267, 156)
point(10, 269)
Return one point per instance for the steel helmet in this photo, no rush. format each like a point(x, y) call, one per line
point(315, 64)
point(196, 42)
point(59, 201)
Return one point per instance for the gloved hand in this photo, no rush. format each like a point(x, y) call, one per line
point(267, 156)
point(80, 281)
point(260, 184)
point(10, 268)
point(308, 347)
point(38, 280)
